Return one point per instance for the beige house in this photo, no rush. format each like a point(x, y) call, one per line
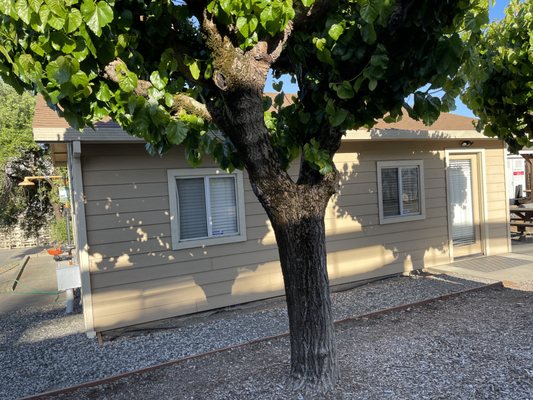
point(158, 238)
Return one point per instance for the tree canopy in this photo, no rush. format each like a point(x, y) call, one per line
point(500, 79)
point(154, 66)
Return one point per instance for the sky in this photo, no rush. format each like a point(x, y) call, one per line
point(496, 12)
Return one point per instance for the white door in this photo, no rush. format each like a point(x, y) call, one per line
point(464, 204)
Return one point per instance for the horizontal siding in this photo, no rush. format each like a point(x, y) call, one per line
point(497, 224)
point(137, 277)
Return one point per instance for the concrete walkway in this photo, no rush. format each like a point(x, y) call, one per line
point(37, 284)
point(512, 269)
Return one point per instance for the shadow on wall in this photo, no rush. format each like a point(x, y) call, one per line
point(137, 277)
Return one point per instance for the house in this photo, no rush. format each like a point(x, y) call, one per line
point(410, 197)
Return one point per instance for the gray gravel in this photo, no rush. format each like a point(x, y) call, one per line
point(42, 349)
point(475, 346)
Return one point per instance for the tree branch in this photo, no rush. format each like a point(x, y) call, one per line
point(192, 106)
point(181, 100)
point(111, 73)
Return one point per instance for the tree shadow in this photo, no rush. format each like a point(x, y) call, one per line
point(137, 277)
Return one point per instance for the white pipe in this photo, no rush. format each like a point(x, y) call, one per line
point(69, 294)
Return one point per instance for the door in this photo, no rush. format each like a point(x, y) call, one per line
point(464, 204)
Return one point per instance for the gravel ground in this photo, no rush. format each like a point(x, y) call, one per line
point(475, 346)
point(43, 349)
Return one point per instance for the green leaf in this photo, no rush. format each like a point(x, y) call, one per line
point(56, 22)
point(194, 67)
point(372, 84)
point(30, 70)
point(242, 26)
point(35, 4)
point(176, 132)
point(277, 86)
point(335, 31)
point(370, 9)
point(37, 49)
point(23, 11)
point(208, 71)
point(304, 117)
point(308, 3)
point(80, 79)
point(169, 99)
point(61, 69)
point(74, 20)
point(338, 118)
point(62, 42)
point(368, 33)
point(193, 156)
point(44, 14)
point(58, 8)
point(158, 81)
point(103, 93)
point(344, 90)
point(96, 16)
point(127, 80)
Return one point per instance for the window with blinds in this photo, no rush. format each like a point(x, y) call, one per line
point(207, 209)
point(400, 191)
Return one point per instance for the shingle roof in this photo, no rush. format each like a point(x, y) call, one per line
point(47, 118)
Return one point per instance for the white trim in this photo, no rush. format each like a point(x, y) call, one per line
point(114, 133)
point(485, 248)
point(100, 134)
point(82, 246)
point(172, 174)
point(422, 194)
point(507, 178)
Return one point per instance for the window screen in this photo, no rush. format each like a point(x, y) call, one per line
point(207, 207)
point(410, 191)
point(391, 198)
point(223, 206)
point(400, 189)
point(192, 210)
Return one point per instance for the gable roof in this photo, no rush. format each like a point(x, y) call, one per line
point(49, 127)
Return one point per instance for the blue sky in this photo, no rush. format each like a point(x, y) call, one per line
point(496, 12)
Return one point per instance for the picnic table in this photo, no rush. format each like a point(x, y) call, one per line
point(521, 218)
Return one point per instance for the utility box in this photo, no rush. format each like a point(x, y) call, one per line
point(68, 276)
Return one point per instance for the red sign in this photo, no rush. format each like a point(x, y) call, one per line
point(518, 172)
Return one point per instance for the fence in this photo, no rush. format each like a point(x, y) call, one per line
point(16, 238)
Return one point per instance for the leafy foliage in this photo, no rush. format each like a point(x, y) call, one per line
point(19, 157)
point(29, 207)
point(500, 90)
point(354, 64)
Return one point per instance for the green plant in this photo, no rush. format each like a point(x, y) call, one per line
point(58, 230)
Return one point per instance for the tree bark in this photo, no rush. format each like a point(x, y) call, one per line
point(295, 209)
point(299, 227)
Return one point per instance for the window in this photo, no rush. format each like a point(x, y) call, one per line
point(400, 191)
point(206, 207)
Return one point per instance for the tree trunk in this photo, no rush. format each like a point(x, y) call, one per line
point(300, 234)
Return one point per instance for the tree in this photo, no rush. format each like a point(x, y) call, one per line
point(20, 156)
point(500, 80)
point(193, 73)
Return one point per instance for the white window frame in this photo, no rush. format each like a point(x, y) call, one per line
point(406, 217)
point(211, 173)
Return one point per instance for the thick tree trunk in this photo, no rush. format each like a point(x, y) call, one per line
point(300, 234)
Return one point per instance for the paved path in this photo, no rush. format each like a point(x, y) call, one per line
point(9, 255)
point(512, 268)
point(37, 284)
